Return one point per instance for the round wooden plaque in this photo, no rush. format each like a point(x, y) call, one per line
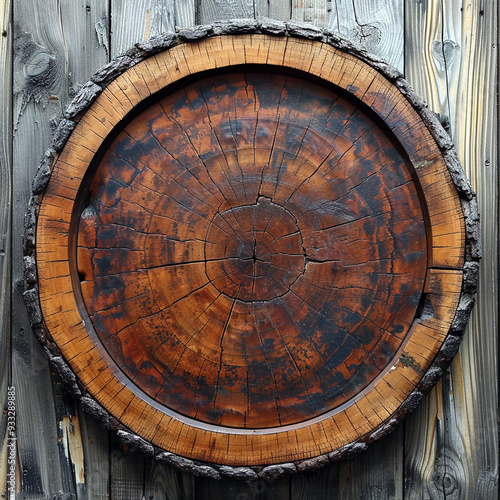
point(250, 249)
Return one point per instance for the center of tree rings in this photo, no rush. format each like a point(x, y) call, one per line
point(254, 252)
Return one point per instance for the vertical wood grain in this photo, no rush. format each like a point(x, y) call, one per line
point(451, 60)
point(376, 474)
point(126, 471)
point(277, 9)
point(216, 10)
point(56, 49)
point(258, 489)
point(95, 440)
point(311, 11)
point(137, 20)
point(5, 223)
point(166, 482)
point(375, 25)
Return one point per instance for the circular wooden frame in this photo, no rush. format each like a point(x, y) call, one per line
point(437, 326)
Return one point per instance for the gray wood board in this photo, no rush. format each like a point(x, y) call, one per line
point(5, 228)
point(375, 25)
point(138, 20)
point(56, 49)
point(451, 60)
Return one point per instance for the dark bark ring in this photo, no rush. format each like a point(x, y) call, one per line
point(255, 256)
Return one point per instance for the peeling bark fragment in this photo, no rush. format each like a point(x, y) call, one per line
point(471, 277)
point(235, 26)
point(411, 402)
point(30, 226)
point(271, 26)
point(313, 463)
point(347, 452)
point(33, 305)
point(157, 43)
point(67, 375)
point(135, 443)
point(473, 229)
point(430, 378)
point(62, 133)
point(96, 411)
point(108, 73)
point(383, 430)
point(30, 271)
point(273, 472)
point(304, 30)
point(450, 347)
point(244, 473)
point(460, 180)
point(187, 465)
point(195, 32)
point(82, 100)
point(43, 173)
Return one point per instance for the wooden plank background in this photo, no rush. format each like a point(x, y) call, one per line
point(448, 50)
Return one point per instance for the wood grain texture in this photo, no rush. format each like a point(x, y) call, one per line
point(231, 193)
point(164, 481)
point(316, 12)
point(279, 9)
point(451, 438)
point(5, 225)
point(244, 490)
point(216, 10)
point(96, 453)
point(43, 84)
point(374, 25)
point(126, 471)
point(134, 22)
point(234, 285)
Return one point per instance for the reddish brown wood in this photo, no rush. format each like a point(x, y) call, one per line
point(256, 266)
point(256, 250)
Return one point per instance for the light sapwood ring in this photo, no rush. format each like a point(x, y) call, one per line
point(418, 229)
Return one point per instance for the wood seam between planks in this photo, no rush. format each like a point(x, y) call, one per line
point(141, 51)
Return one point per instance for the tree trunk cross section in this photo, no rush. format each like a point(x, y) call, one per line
point(259, 263)
point(254, 250)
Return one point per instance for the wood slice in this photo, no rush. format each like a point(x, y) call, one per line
point(250, 250)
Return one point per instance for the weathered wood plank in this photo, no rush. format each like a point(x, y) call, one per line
point(164, 481)
point(46, 74)
point(376, 25)
point(257, 489)
point(451, 60)
point(126, 471)
point(138, 20)
point(5, 230)
point(316, 12)
point(278, 9)
point(376, 474)
point(31, 374)
point(95, 441)
point(69, 441)
point(216, 10)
